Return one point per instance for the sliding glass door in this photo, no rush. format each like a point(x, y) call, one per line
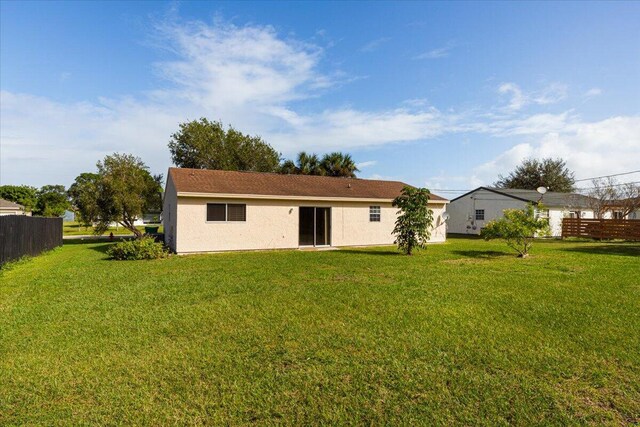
point(315, 226)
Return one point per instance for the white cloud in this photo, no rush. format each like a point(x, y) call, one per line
point(437, 53)
point(49, 142)
point(252, 77)
point(550, 94)
point(590, 149)
point(594, 91)
point(518, 100)
point(366, 164)
point(373, 45)
point(416, 102)
point(228, 66)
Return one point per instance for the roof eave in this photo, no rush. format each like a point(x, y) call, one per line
point(281, 197)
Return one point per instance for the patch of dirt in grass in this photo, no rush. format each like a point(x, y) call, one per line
point(601, 404)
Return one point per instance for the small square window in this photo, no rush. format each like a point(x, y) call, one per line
point(479, 214)
point(374, 213)
point(216, 212)
point(236, 212)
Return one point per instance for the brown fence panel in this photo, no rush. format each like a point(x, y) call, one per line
point(22, 235)
point(624, 229)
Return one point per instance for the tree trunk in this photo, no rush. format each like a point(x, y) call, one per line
point(133, 229)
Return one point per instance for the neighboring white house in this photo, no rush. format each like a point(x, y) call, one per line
point(471, 211)
point(10, 208)
point(212, 210)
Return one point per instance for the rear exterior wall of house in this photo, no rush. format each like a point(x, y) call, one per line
point(274, 224)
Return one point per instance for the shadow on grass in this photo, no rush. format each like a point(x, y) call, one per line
point(370, 252)
point(101, 248)
point(610, 249)
point(94, 239)
point(461, 236)
point(483, 254)
point(98, 245)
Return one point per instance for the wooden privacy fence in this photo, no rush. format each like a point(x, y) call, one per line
point(625, 229)
point(22, 235)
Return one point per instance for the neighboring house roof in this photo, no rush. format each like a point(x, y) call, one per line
point(6, 204)
point(273, 184)
point(550, 198)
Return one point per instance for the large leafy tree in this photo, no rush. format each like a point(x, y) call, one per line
point(518, 228)
point(203, 144)
point(413, 225)
point(534, 173)
point(84, 198)
point(22, 194)
point(121, 191)
point(52, 201)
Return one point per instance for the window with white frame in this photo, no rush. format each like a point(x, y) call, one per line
point(223, 212)
point(479, 214)
point(374, 213)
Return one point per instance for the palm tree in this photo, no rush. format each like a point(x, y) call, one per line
point(288, 167)
point(339, 164)
point(332, 164)
point(309, 164)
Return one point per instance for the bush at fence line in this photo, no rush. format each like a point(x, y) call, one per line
point(144, 248)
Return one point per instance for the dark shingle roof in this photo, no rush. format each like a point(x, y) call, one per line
point(550, 198)
point(272, 184)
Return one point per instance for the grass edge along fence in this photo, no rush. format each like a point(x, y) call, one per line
point(22, 235)
point(602, 229)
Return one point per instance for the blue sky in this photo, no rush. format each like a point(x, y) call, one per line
point(447, 95)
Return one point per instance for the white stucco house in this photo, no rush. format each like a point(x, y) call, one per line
point(471, 211)
point(213, 210)
point(11, 208)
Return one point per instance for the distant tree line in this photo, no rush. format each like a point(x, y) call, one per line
point(48, 200)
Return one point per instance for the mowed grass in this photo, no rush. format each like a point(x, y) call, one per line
point(463, 333)
point(72, 228)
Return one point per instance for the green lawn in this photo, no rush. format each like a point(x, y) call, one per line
point(71, 228)
point(464, 333)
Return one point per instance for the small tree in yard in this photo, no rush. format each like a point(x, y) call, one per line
point(518, 228)
point(126, 190)
point(121, 191)
point(413, 226)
